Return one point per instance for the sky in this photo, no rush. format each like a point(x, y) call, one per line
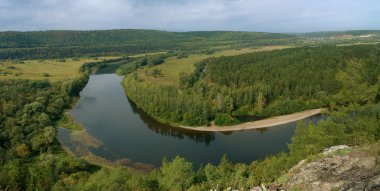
point(190, 15)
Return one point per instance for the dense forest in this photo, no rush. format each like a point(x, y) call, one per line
point(59, 44)
point(31, 158)
point(258, 84)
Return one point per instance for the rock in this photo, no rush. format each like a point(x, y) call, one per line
point(357, 170)
point(274, 188)
point(297, 166)
point(256, 189)
point(334, 149)
point(374, 182)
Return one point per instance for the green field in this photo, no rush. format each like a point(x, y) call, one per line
point(173, 66)
point(53, 70)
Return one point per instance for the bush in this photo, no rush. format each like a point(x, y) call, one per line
point(182, 55)
point(156, 72)
point(11, 67)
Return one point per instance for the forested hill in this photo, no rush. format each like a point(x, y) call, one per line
point(122, 37)
point(58, 44)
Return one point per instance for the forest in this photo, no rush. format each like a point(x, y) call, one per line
point(260, 84)
point(60, 44)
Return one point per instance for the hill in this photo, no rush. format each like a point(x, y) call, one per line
point(56, 44)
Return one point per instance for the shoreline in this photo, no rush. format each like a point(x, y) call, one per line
point(264, 123)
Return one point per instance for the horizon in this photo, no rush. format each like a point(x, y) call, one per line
point(274, 16)
point(88, 30)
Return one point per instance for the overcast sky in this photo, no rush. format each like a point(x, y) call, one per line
point(190, 15)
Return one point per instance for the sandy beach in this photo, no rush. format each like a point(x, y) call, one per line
point(264, 123)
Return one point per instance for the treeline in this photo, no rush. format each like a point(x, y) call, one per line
point(150, 60)
point(60, 44)
point(105, 66)
point(80, 51)
point(124, 65)
point(259, 84)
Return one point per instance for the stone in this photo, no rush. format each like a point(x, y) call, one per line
point(334, 149)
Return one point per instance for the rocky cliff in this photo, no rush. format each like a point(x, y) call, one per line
point(336, 168)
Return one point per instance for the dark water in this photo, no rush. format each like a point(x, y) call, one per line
point(127, 132)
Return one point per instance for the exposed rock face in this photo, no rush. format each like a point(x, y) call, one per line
point(334, 149)
point(350, 170)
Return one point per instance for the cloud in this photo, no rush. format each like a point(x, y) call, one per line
point(186, 15)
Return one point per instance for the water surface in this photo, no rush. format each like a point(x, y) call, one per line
point(127, 132)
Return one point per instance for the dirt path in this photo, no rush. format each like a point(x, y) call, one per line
point(269, 122)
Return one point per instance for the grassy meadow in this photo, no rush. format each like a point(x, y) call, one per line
point(51, 69)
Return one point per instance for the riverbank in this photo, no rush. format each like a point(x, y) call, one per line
point(264, 123)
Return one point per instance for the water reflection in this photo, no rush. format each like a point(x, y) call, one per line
point(167, 130)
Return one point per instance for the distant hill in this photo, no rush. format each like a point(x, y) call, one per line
point(57, 44)
point(355, 33)
point(122, 36)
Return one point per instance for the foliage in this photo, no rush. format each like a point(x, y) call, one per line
point(150, 61)
point(261, 84)
point(28, 113)
point(61, 44)
point(225, 119)
point(176, 175)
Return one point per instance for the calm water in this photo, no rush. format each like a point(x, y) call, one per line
point(127, 132)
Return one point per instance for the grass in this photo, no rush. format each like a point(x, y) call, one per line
point(68, 122)
point(138, 168)
point(84, 139)
point(173, 66)
point(53, 70)
point(359, 43)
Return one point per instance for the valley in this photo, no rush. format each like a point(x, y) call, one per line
point(215, 109)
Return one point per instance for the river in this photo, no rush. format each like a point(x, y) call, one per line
point(127, 132)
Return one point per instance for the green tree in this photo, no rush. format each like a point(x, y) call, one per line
point(177, 174)
point(260, 102)
point(22, 150)
point(355, 89)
